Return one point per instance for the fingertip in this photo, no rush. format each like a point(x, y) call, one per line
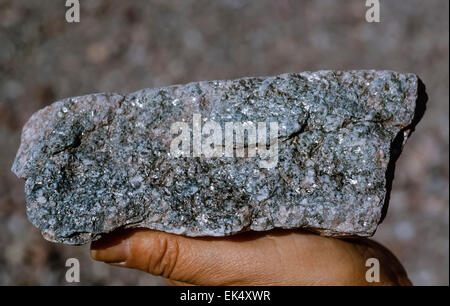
point(110, 250)
point(94, 254)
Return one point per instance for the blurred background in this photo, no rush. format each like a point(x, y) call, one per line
point(123, 46)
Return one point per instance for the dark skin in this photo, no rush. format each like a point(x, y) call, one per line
point(277, 257)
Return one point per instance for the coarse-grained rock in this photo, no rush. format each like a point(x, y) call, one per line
point(102, 161)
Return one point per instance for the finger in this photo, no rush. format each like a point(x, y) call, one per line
point(272, 258)
point(192, 260)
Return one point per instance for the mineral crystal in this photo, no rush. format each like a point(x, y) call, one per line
point(312, 150)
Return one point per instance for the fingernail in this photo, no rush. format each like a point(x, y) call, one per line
point(117, 253)
point(94, 254)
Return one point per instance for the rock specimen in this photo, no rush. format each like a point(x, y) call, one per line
point(103, 161)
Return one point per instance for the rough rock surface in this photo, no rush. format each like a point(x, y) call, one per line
point(102, 161)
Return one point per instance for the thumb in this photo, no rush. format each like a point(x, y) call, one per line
point(201, 261)
point(251, 258)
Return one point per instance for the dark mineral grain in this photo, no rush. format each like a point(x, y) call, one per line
point(102, 161)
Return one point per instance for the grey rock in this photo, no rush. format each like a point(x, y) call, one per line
point(102, 161)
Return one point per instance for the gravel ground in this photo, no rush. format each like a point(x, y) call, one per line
point(123, 46)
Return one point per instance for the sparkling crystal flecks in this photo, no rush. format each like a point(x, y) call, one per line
point(102, 161)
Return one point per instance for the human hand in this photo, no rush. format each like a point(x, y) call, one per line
point(277, 257)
